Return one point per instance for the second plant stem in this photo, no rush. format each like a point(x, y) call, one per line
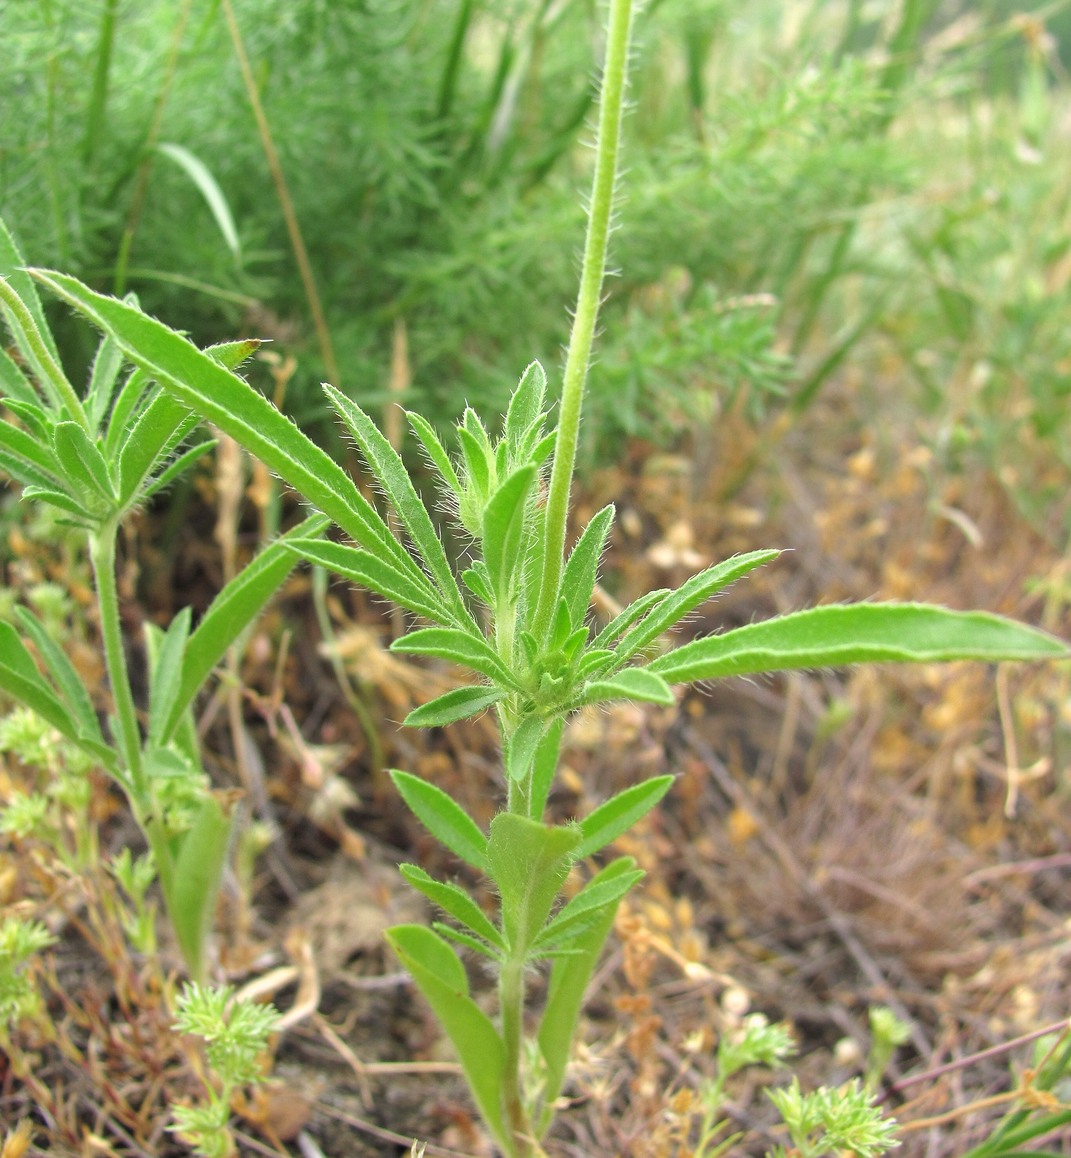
point(102, 554)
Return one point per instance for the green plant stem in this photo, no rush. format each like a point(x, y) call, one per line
point(511, 1003)
point(102, 556)
point(615, 72)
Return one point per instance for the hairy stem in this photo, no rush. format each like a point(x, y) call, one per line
point(511, 999)
point(593, 272)
point(102, 556)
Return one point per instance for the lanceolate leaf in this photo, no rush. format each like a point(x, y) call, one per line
point(193, 887)
point(583, 910)
point(165, 650)
point(405, 586)
point(15, 384)
point(632, 683)
point(568, 980)
point(436, 452)
point(231, 612)
point(443, 818)
point(690, 595)
point(11, 267)
point(82, 462)
point(529, 862)
point(522, 746)
point(526, 405)
point(627, 617)
point(236, 408)
point(578, 580)
point(20, 679)
point(67, 680)
point(620, 813)
point(394, 477)
point(161, 426)
point(857, 633)
point(455, 901)
point(456, 705)
point(24, 459)
point(456, 646)
point(440, 976)
point(503, 530)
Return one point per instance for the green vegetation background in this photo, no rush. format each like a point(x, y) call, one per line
point(815, 189)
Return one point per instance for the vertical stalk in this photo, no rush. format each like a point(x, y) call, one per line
point(615, 71)
point(511, 1003)
point(102, 557)
point(98, 98)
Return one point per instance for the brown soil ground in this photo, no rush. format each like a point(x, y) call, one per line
point(834, 840)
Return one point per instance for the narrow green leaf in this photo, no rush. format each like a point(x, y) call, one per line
point(405, 586)
point(544, 769)
point(476, 580)
point(199, 173)
point(236, 408)
point(166, 651)
point(160, 427)
point(857, 633)
point(82, 461)
point(690, 595)
point(231, 612)
point(455, 705)
point(107, 364)
point(454, 901)
point(136, 388)
point(460, 937)
point(82, 517)
point(14, 383)
point(565, 994)
point(627, 617)
point(578, 579)
point(68, 682)
point(620, 813)
point(20, 679)
point(12, 268)
point(22, 457)
point(456, 646)
point(435, 450)
point(441, 978)
point(522, 746)
point(529, 862)
point(503, 531)
point(443, 818)
point(34, 341)
point(631, 683)
point(526, 406)
point(393, 476)
point(194, 885)
point(477, 468)
point(35, 418)
point(177, 467)
point(584, 909)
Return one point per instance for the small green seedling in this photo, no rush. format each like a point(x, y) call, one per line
point(96, 458)
point(235, 1034)
point(830, 1122)
point(517, 616)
